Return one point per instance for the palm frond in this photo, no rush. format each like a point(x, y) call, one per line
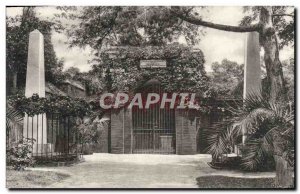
point(269, 128)
point(249, 121)
point(254, 101)
point(254, 154)
point(256, 110)
point(221, 138)
point(13, 117)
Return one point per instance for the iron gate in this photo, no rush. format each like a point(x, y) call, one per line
point(153, 128)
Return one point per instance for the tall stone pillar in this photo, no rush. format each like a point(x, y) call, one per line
point(252, 70)
point(36, 127)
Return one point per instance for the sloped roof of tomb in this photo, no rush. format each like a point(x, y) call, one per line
point(52, 89)
point(75, 84)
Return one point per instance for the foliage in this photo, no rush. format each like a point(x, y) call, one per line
point(64, 105)
point(17, 36)
point(283, 21)
point(219, 139)
point(92, 79)
point(226, 79)
point(87, 132)
point(288, 73)
point(19, 155)
point(125, 25)
point(269, 128)
point(184, 71)
point(12, 117)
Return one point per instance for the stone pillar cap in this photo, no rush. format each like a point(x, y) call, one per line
point(36, 31)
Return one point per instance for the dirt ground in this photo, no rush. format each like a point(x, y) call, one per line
point(140, 171)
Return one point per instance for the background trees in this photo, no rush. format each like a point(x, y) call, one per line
point(288, 73)
point(227, 79)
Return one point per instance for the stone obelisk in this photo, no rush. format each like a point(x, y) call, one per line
point(252, 69)
point(36, 127)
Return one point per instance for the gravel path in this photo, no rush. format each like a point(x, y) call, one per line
point(140, 171)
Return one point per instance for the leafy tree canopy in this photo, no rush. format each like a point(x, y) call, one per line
point(282, 18)
point(126, 25)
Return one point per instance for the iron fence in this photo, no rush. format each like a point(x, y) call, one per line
point(54, 136)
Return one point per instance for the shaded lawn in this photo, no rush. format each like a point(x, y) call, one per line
point(232, 182)
point(32, 179)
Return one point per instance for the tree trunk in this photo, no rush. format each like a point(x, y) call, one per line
point(284, 173)
point(275, 90)
point(275, 82)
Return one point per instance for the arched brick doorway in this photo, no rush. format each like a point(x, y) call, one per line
point(153, 128)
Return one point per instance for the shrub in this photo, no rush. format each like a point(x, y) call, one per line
point(87, 131)
point(19, 155)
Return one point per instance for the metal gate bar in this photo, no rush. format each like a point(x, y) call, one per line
point(154, 128)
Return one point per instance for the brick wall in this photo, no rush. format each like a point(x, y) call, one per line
point(185, 132)
point(102, 133)
point(121, 131)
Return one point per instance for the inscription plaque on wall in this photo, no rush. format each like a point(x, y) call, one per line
point(153, 64)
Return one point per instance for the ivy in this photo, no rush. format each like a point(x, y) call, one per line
point(184, 72)
point(63, 105)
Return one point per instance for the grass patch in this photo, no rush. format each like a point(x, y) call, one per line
point(32, 179)
point(232, 182)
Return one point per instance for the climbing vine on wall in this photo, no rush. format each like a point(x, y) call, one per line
point(63, 105)
point(184, 71)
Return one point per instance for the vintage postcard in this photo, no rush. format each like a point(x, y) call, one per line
point(150, 97)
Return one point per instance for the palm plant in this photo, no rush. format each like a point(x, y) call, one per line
point(13, 118)
point(269, 128)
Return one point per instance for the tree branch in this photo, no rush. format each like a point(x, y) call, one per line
point(279, 15)
point(228, 28)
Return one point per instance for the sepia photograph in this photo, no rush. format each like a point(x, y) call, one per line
point(150, 97)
